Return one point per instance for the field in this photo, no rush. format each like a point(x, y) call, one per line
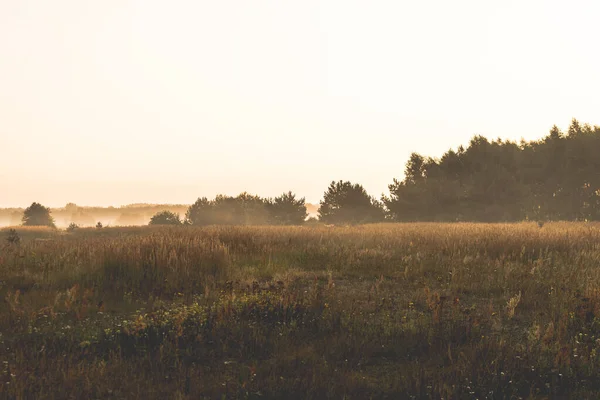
point(453, 311)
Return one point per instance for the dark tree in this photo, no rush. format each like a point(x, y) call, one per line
point(246, 209)
point(555, 178)
point(347, 203)
point(200, 213)
point(165, 218)
point(287, 210)
point(415, 168)
point(37, 215)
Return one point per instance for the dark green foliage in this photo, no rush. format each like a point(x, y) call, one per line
point(555, 178)
point(72, 226)
point(347, 203)
point(165, 218)
point(99, 225)
point(37, 215)
point(287, 210)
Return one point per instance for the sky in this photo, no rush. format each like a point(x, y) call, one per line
point(115, 102)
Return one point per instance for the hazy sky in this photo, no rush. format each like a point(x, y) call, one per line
point(120, 101)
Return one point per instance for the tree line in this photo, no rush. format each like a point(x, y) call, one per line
point(554, 178)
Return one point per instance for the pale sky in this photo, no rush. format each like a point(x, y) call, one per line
point(110, 102)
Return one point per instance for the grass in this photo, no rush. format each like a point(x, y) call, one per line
point(453, 311)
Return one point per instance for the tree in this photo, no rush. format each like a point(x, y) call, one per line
point(37, 215)
point(244, 209)
point(415, 168)
point(200, 213)
point(345, 202)
point(554, 178)
point(165, 218)
point(287, 210)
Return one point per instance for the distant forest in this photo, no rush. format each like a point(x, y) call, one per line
point(553, 178)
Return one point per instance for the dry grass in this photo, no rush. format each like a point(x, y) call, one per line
point(384, 311)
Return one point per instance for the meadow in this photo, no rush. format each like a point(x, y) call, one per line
point(415, 311)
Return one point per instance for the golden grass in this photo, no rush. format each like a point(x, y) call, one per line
point(389, 310)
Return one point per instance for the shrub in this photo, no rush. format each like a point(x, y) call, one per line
point(165, 218)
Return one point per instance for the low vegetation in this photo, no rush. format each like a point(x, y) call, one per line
point(381, 311)
point(165, 218)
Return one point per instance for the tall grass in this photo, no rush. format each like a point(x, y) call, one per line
point(390, 310)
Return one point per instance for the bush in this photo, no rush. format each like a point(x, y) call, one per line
point(165, 218)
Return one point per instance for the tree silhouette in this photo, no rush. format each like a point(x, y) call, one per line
point(244, 209)
point(200, 213)
point(349, 203)
point(555, 178)
point(37, 215)
point(287, 210)
point(165, 218)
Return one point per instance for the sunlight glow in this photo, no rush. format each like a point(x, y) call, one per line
point(123, 101)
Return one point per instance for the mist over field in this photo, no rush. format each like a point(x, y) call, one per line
point(130, 215)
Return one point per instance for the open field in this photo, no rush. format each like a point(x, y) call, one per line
point(453, 311)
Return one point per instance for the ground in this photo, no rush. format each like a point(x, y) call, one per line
point(453, 311)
